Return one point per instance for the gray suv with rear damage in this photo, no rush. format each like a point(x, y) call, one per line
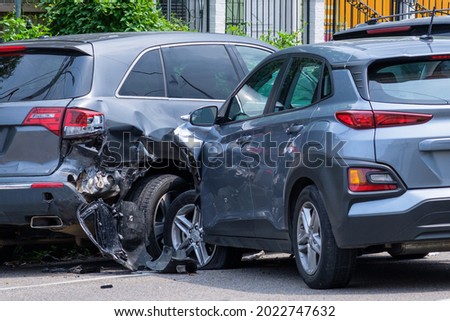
point(82, 118)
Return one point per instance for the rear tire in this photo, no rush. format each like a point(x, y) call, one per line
point(184, 231)
point(320, 262)
point(154, 197)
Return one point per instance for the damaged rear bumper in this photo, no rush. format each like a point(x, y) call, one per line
point(48, 204)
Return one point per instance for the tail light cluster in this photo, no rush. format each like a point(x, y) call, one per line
point(370, 180)
point(67, 123)
point(367, 119)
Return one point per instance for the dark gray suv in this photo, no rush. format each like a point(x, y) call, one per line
point(81, 117)
point(325, 151)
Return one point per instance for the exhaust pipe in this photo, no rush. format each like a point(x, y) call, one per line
point(46, 222)
point(421, 247)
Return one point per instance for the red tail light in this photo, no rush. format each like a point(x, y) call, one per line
point(49, 117)
point(73, 122)
point(370, 180)
point(7, 49)
point(83, 122)
point(363, 119)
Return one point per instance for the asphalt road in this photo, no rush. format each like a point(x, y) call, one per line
point(271, 278)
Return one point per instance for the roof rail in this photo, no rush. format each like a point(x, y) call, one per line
point(373, 21)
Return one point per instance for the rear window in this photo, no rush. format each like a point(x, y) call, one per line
point(414, 82)
point(44, 76)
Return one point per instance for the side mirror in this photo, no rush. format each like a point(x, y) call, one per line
point(205, 116)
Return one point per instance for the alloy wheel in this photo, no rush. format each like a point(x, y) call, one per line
point(309, 238)
point(187, 235)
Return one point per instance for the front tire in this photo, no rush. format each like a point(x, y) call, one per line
point(184, 231)
point(154, 197)
point(320, 262)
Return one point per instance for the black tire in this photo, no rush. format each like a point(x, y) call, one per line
point(183, 212)
point(154, 197)
point(320, 262)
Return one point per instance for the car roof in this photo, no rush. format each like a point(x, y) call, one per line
point(441, 24)
point(353, 51)
point(138, 40)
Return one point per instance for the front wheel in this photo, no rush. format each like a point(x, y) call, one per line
point(184, 231)
point(320, 262)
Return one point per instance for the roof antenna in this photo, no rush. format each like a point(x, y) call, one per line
point(430, 27)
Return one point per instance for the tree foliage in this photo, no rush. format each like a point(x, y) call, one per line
point(90, 16)
point(13, 28)
point(279, 39)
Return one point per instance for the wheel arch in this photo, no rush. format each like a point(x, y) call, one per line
point(294, 188)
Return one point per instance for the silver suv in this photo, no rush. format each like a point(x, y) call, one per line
point(325, 151)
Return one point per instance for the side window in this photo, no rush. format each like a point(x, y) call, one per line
point(251, 56)
point(302, 83)
point(199, 72)
point(146, 78)
point(251, 100)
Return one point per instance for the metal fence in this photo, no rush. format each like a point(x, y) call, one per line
point(258, 17)
point(191, 11)
point(251, 17)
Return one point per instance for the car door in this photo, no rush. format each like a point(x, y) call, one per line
point(283, 143)
point(228, 158)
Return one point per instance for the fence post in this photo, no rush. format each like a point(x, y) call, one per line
point(317, 21)
point(217, 12)
point(18, 8)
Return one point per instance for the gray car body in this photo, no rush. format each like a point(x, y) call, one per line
point(33, 154)
point(252, 206)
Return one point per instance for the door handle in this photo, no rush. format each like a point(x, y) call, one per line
point(294, 129)
point(244, 140)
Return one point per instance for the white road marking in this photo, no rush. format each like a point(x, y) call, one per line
point(75, 281)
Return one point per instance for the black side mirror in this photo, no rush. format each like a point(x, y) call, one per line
point(205, 116)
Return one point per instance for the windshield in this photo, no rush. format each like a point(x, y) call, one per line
point(39, 76)
point(413, 82)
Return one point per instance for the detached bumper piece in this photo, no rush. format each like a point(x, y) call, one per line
point(119, 232)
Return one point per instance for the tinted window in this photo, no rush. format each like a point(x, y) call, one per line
point(251, 100)
point(44, 76)
point(301, 84)
point(414, 82)
point(251, 56)
point(200, 71)
point(146, 77)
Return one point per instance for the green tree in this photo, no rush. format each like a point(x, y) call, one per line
point(90, 16)
point(281, 39)
point(13, 28)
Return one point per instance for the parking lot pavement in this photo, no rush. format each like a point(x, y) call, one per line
point(271, 277)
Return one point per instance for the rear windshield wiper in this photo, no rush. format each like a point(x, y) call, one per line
point(9, 94)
